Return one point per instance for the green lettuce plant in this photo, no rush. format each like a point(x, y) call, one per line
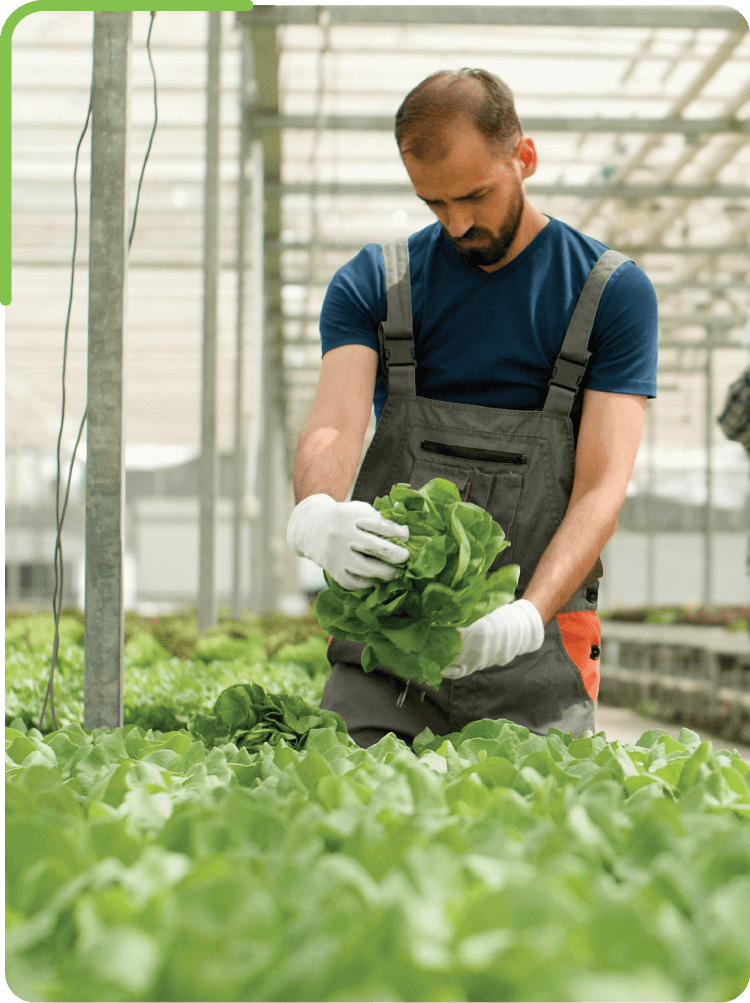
point(410, 624)
point(249, 717)
point(144, 867)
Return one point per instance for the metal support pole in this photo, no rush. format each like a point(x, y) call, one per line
point(239, 458)
point(650, 493)
point(268, 546)
point(708, 537)
point(12, 583)
point(257, 314)
point(208, 472)
point(103, 673)
point(240, 445)
point(12, 567)
point(262, 525)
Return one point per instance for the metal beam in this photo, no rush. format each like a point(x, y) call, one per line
point(709, 69)
point(104, 616)
point(626, 191)
point(721, 155)
point(531, 124)
point(739, 232)
point(347, 246)
point(580, 49)
point(714, 286)
point(603, 16)
point(207, 612)
point(384, 123)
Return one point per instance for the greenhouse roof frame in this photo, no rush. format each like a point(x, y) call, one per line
point(672, 165)
point(615, 16)
point(654, 161)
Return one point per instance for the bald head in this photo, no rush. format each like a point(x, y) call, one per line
point(431, 107)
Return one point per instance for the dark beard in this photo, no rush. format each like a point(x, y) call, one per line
point(498, 247)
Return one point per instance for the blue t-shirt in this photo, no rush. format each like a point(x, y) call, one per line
point(491, 338)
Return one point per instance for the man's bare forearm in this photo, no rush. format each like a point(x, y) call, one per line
point(331, 441)
point(573, 550)
point(610, 432)
point(327, 460)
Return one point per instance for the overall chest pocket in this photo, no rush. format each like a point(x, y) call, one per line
point(495, 486)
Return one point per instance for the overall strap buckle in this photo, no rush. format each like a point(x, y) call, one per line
point(568, 373)
point(570, 364)
point(395, 333)
point(397, 351)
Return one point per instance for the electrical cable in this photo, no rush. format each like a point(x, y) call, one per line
point(324, 22)
point(60, 512)
point(153, 129)
point(59, 515)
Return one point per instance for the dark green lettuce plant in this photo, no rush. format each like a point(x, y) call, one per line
point(410, 624)
point(248, 716)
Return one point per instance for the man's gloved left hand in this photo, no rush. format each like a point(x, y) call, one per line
point(496, 639)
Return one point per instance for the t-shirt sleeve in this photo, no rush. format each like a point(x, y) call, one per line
point(624, 340)
point(355, 302)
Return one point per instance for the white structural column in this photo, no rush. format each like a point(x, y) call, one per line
point(239, 515)
point(268, 545)
point(262, 565)
point(103, 674)
point(709, 516)
point(208, 473)
point(651, 493)
point(240, 449)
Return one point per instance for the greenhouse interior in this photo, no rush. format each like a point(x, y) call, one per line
point(194, 815)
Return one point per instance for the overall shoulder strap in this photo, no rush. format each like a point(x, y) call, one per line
point(395, 334)
point(570, 364)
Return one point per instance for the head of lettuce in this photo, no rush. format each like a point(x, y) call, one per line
point(410, 624)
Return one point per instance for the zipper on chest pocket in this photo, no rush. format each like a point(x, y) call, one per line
point(470, 453)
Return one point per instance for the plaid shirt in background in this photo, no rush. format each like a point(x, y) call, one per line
point(734, 420)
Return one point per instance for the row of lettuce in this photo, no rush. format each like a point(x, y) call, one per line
point(495, 865)
point(171, 671)
point(259, 854)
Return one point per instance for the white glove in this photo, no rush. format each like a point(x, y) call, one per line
point(496, 639)
point(338, 537)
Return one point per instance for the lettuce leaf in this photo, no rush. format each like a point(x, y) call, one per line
point(410, 624)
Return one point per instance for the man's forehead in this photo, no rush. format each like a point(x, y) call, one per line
point(464, 168)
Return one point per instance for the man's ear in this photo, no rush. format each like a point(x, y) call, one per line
point(526, 152)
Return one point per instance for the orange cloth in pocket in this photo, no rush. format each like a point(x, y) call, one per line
point(580, 632)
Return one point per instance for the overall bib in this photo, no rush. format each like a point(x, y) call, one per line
point(518, 465)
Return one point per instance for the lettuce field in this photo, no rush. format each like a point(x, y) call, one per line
point(231, 842)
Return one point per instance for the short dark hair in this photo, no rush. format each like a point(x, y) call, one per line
point(478, 95)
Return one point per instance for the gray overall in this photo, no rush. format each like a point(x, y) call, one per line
point(518, 465)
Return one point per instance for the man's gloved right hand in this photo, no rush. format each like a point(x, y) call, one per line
point(346, 540)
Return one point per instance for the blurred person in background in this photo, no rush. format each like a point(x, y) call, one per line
point(734, 419)
point(509, 353)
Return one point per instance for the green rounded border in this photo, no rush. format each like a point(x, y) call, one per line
point(6, 36)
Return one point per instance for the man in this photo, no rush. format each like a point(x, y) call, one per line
point(485, 335)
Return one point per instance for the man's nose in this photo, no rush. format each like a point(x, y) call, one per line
point(458, 221)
